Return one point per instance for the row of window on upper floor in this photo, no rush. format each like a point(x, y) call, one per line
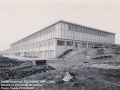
point(66, 26)
point(86, 30)
point(62, 43)
point(70, 27)
point(43, 31)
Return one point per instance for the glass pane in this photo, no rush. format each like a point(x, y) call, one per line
point(69, 43)
point(59, 42)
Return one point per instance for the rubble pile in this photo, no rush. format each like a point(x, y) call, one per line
point(108, 51)
point(89, 53)
point(80, 54)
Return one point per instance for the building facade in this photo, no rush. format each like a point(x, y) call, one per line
point(53, 40)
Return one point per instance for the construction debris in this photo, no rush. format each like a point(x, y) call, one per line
point(87, 53)
point(67, 77)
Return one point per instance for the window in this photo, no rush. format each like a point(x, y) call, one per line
point(29, 47)
point(112, 36)
point(88, 31)
point(77, 30)
point(43, 32)
point(51, 53)
point(51, 42)
point(59, 42)
point(21, 48)
point(41, 44)
point(45, 43)
point(47, 30)
point(57, 26)
point(69, 43)
point(75, 27)
point(69, 27)
point(37, 45)
point(50, 29)
point(97, 33)
point(80, 29)
point(62, 25)
point(66, 26)
point(85, 30)
point(72, 27)
point(39, 33)
point(100, 33)
point(46, 53)
point(32, 45)
point(94, 32)
point(53, 28)
point(107, 34)
point(41, 53)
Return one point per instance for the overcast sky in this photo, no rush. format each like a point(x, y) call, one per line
point(20, 18)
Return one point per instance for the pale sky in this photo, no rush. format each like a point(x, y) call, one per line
point(20, 18)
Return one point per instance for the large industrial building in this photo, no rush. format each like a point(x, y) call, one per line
point(55, 39)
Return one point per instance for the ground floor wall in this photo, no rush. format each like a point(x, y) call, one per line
point(75, 44)
point(48, 49)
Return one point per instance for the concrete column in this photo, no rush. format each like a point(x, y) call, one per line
point(73, 44)
point(87, 45)
point(93, 45)
point(55, 46)
point(65, 45)
point(80, 45)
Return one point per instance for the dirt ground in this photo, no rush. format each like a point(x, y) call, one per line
point(97, 74)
